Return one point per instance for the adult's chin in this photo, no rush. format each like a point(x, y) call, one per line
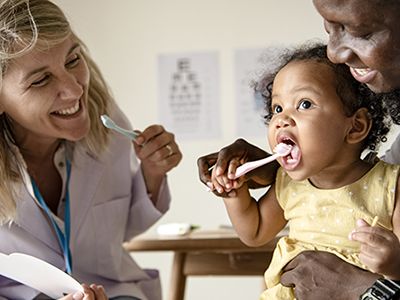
point(76, 135)
point(380, 84)
point(379, 87)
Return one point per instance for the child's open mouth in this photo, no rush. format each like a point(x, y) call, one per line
point(292, 160)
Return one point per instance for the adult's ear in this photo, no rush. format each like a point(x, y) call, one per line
point(361, 125)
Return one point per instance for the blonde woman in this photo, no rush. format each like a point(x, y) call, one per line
point(71, 191)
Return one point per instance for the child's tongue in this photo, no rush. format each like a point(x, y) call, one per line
point(293, 159)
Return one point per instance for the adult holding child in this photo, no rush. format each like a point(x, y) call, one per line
point(324, 119)
point(363, 35)
point(72, 191)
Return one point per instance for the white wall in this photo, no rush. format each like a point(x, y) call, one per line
point(126, 36)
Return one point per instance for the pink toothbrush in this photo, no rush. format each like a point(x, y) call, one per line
point(280, 150)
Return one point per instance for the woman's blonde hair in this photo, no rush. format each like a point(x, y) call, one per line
point(24, 25)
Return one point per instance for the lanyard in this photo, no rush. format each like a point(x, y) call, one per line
point(63, 238)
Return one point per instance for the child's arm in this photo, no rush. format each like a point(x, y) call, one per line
point(256, 222)
point(380, 248)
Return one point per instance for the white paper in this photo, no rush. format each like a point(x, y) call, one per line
point(38, 274)
point(189, 103)
point(174, 229)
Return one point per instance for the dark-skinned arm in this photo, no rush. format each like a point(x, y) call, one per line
point(317, 275)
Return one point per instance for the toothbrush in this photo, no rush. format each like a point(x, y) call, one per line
point(280, 150)
point(107, 122)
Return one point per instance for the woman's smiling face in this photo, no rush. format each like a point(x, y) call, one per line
point(45, 94)
point(365, 36)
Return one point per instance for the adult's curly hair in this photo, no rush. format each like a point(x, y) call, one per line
point(353, 94)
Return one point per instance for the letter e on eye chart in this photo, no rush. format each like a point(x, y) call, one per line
point(189, 103)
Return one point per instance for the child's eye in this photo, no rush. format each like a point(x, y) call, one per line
point(276, 109)
point(305, 104)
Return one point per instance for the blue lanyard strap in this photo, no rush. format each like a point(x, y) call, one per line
point(63, 237)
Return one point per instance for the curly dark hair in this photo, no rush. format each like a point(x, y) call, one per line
point(353, 94)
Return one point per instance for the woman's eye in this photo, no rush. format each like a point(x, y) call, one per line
point(73, 62)
point(305, 104)
point(40, 82)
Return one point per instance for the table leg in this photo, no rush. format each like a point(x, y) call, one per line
point(178, 278)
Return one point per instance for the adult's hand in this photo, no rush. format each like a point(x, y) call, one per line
point(92, 292)
point(319, 275)
point(157, 150)
point(159, 153)
point(230, 157)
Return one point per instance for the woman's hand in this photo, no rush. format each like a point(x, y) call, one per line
point(159, 153)
point(380, 249)
point(317, 275)
point(228, 159)
point(94, 292)
point(157, 150)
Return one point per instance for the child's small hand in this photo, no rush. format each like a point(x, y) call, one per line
point(222, 183)
point(379, 250)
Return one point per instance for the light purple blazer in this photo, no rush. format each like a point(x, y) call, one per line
point(109, 205)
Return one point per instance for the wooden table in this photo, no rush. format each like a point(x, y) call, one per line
point(205, 252)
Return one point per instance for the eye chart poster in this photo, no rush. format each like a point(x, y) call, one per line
point(250, 64)
point(189, 94)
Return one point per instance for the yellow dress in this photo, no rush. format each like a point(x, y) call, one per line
point(322, 219)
